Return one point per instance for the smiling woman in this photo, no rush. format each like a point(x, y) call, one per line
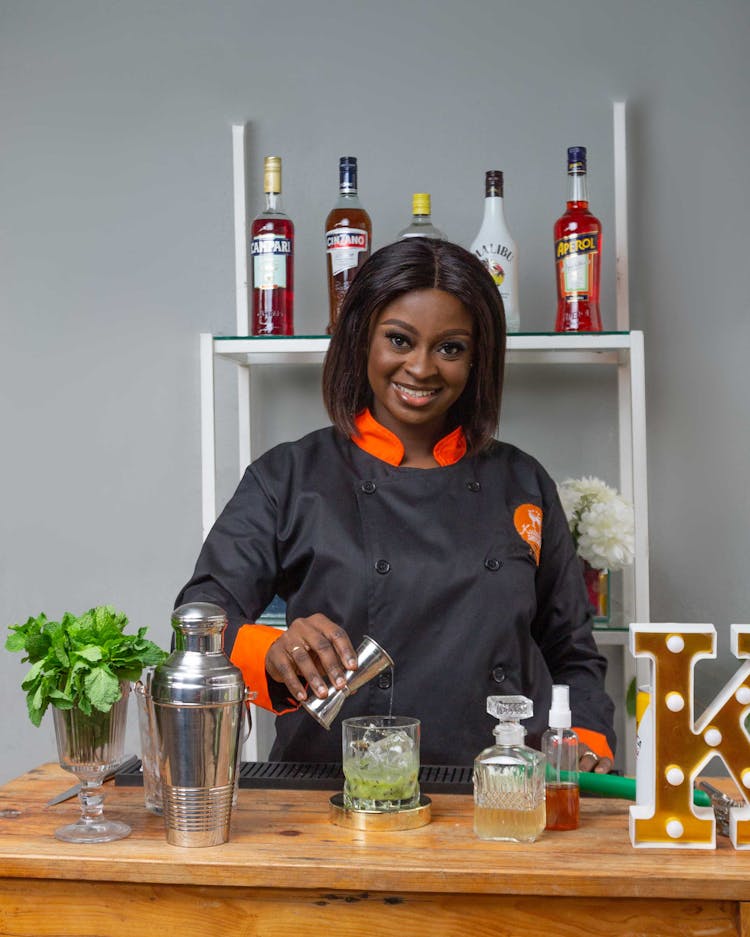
point(409, 522)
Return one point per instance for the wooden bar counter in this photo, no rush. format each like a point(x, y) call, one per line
point(287, 870)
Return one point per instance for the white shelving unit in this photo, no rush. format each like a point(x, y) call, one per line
point(623, 350)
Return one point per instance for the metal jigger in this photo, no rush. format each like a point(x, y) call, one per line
point(372, 660)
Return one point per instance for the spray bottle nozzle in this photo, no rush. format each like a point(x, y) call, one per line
point(559, 713)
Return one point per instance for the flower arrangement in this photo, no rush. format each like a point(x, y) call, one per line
point(601, 522)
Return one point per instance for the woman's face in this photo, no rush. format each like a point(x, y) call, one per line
point(421, 350)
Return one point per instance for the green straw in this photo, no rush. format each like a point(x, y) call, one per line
point(613, 785)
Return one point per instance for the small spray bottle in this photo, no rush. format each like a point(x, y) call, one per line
point(509, 777)
point(560, 747)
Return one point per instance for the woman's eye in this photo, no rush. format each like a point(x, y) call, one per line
point(397, 340)
point(452, 349)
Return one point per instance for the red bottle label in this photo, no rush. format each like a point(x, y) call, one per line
point(575, 256)
point(343, 246)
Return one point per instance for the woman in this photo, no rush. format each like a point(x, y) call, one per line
point(407, 521)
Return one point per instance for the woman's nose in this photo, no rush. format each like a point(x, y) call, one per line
point(419, 363)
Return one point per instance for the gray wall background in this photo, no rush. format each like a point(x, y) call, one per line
point(117, 251)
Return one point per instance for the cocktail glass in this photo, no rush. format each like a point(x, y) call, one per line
point(91, 746)
point(380, 756)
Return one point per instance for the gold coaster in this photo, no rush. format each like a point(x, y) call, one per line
point(379, 820)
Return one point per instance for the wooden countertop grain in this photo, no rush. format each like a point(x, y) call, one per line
point(283, 839)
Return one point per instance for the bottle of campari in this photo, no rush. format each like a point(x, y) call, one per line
point(272, 259)
point(578, 245)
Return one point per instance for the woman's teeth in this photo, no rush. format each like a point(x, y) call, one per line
point(410, 392)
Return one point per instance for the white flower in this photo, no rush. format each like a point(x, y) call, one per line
point(601, 522)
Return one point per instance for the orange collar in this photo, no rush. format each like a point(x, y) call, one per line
point(386, 446)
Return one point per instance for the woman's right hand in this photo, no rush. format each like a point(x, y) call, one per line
point(309, 649)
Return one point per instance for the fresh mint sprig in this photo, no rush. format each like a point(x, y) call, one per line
point(80, 661)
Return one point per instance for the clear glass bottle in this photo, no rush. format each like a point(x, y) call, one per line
point(421, 223)
point(578, 253)
point(509, 778)
point(495, 247)
point(560, 748)
point(348, 235)
point(272, 259)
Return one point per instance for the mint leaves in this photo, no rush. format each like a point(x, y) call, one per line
point(79, 662)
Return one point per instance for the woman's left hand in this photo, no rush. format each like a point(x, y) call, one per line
point(590, 761)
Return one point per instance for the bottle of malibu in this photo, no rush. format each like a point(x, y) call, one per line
point(495, 247)
point(272, 259)
point(348, 236)
point(578, 245)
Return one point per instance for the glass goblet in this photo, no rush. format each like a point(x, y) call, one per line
point(91, 746)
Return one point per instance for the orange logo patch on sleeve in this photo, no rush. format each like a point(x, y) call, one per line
point(527, 519)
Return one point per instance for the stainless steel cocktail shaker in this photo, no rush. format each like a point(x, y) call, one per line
point(199, 699)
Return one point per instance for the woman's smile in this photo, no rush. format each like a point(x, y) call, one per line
point(416, 395)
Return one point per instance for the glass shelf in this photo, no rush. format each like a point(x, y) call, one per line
point(511, 335)
point(523, 347)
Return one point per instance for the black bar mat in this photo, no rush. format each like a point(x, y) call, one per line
point(433, 779)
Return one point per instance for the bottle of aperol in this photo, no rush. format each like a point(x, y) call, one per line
point(578, 245)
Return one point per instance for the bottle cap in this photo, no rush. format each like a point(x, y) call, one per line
point(493, 183)
point(272, 174)
point(420, 203)
point(559, 713)
point(348, 174)
point(510, 708)
point(576, 159)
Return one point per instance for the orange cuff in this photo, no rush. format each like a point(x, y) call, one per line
point(249, 654)
point(594, 741)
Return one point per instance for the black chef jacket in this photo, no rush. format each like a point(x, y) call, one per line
point(432, 564)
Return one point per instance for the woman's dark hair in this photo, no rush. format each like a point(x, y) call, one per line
point(398, 268)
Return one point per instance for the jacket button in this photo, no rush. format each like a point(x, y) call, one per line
point(498, 674)
point(493, 564)
point(385, 680)
point(473, 486)
point(368, 487)
point(383, 567)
